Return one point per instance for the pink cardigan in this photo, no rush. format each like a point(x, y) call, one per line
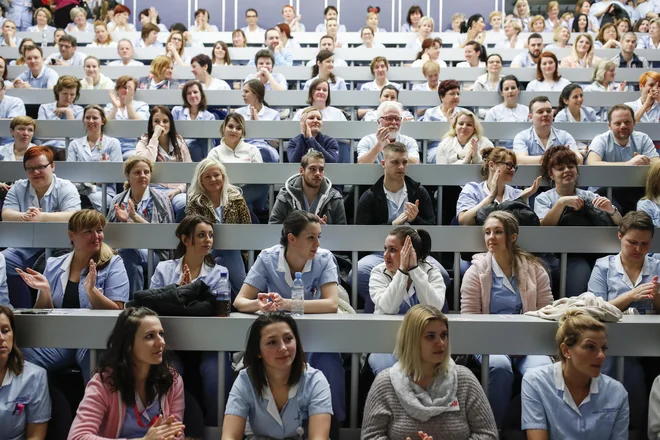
point(533, 282)
point(101, 412)
point(149, 149)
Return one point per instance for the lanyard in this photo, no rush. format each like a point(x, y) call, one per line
point(138, 417)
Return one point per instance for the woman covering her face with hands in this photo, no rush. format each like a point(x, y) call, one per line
point(268, 286)
point(123, 106)
point(311, 138)
point(425, 395)
point(404, 279)
point(278, 392)
point(92, 276)
point(136, 392)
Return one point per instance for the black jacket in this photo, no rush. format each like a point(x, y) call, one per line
point(372, 208)
point(193, 299)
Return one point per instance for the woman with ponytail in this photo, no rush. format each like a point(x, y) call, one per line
point(325, 64)
point(404, 279)
point(571, 398)
point(505, 280)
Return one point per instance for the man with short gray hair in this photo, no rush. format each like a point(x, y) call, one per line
point(370, 147)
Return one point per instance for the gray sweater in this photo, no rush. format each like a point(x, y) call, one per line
point(385, 417)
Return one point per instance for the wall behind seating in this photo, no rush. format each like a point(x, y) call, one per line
point(352, 13)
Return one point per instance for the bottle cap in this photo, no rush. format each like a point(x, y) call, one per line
point(298, 274)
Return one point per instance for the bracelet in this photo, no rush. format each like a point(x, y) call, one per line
point(613, 212)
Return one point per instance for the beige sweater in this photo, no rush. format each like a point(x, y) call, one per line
point(385, 417)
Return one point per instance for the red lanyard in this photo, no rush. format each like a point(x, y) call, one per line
point(138, 417)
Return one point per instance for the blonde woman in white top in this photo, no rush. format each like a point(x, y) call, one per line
point(463, 142)
point(94, 79)
point(512, 40)
point(424, 30)
point(582, 54)
point(603, 79)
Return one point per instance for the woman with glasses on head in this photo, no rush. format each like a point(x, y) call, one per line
point(323, 70)
point(24, 396)
point(140, 203)
point(505, 280)
point(136, 392)
point(194, 108)
point(425, 392)
point(91, 276)
point(498, 168)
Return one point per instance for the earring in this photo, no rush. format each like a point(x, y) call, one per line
point(568, 357)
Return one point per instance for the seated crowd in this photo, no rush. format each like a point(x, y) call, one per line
point(136, 390)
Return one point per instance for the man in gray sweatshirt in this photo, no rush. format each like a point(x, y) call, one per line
point(310, 191)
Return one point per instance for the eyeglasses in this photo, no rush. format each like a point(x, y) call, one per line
point(250, 16)
point(509, 165)
point(38, 168)
point(391, 118)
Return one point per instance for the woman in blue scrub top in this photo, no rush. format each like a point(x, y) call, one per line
point(268, 286)
point(650, 203)
point(66, 91)
point(257, 109)
point(95, 147)
point(498, 168)
point(24, 398)
point(505, 280)
point(630, 280)
point(139, 203)
point(403, 280)
point(278, 393)
point(559, 166)
point(136, 392)
point(194, 109)
point(92, 276)
point(571, 399)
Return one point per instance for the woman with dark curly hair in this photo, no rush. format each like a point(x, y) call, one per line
point(136, 393)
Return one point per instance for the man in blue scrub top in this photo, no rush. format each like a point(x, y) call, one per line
point(42, 197)
point(529, 145)
point(38, 76)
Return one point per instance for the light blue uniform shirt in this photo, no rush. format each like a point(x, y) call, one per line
point(371, 86)
point(608, 280)
point(170, 271)
point(46, 79)
point(4, 292)
point(435, 114)
point(309, 397)
point(47, 112)
point(527, 141)
point(652, 115)
point(523, 59)
point(610, 151)
point(111, 280)
point(587, 114)
point(282, 58)
point(547, 404)
point(368, 142)
point(80, 150)
point(131, 428)
point(141, 109)
point(652, 208)
point(11, 106)
point(501, 113)
point(20, 12)
point(547, 199)
point(279, 78)
point(271, 273)
point(28, 390)
point(179, 113)
point(474, 192)
point(504, 293)
point(338, 84)
point(61, 196)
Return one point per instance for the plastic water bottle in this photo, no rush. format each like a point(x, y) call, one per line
point(44, 40)
point(298, 296)
point(223, 297)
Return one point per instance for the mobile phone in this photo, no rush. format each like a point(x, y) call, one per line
point(53, 61)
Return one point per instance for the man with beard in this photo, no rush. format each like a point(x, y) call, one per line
point(530, 57)
point(529, 145)
point(621, 145)
point(370, 148)
point(310, 191)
